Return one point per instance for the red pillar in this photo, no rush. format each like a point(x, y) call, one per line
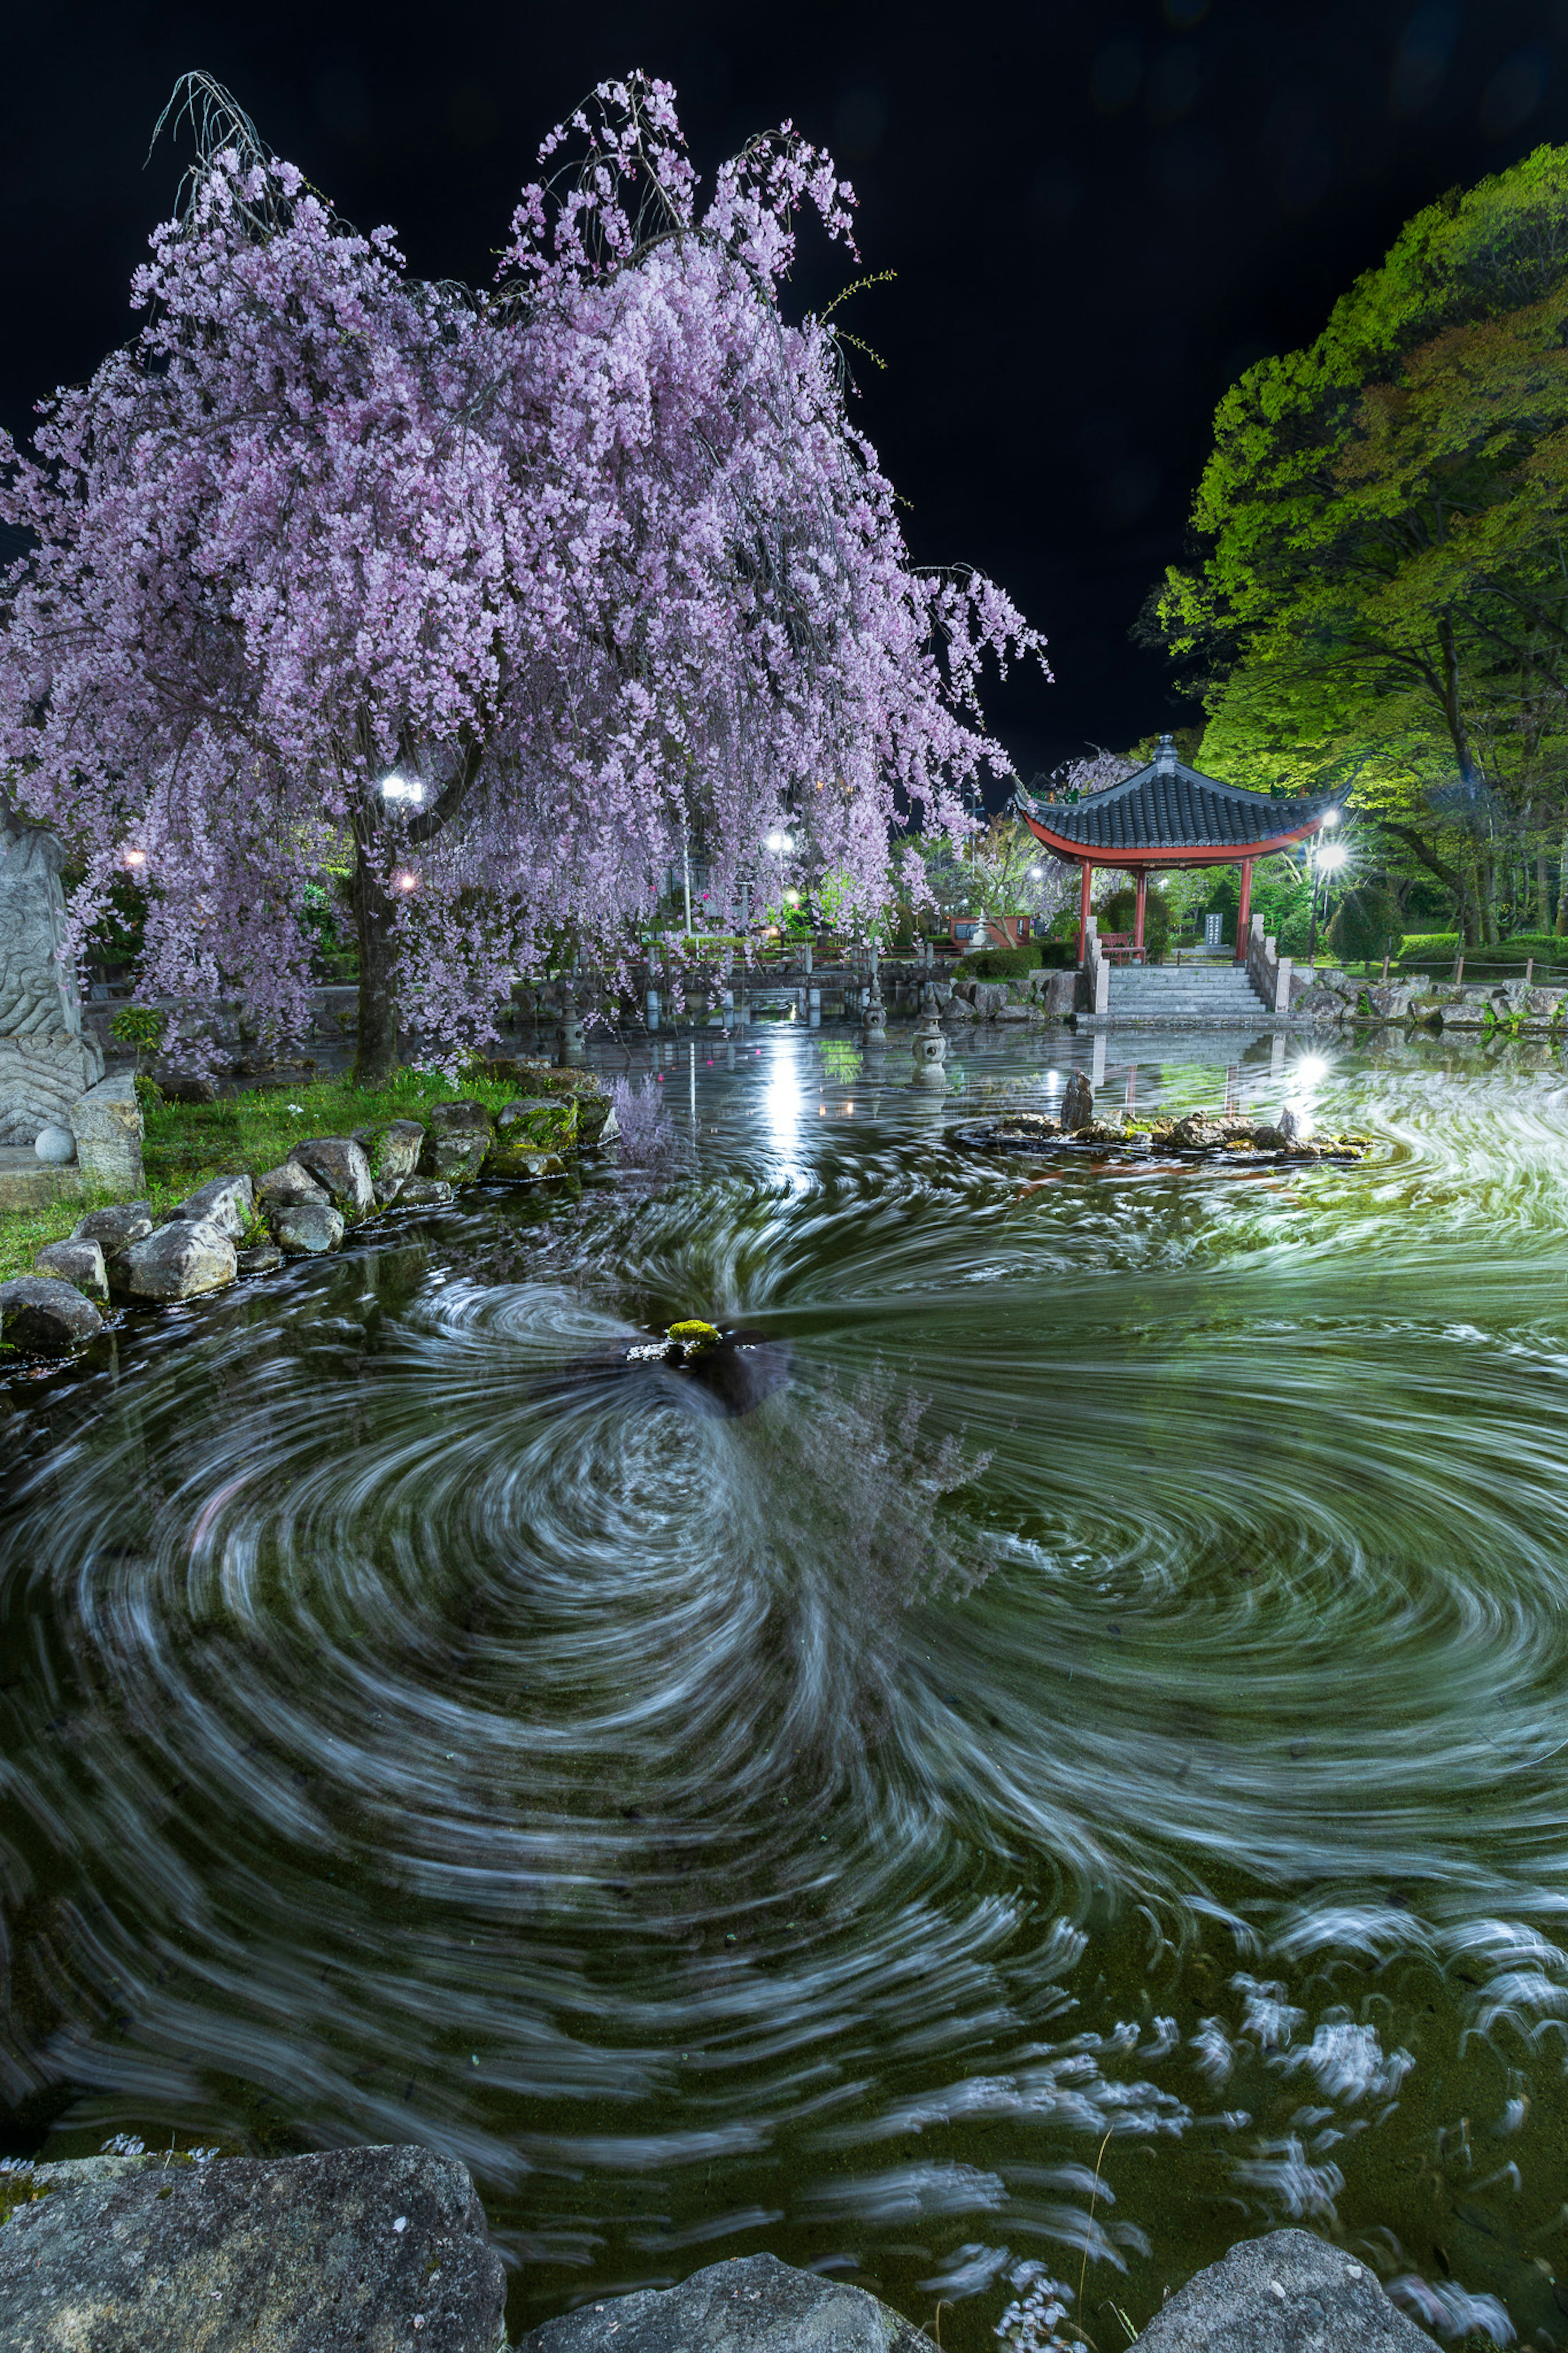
point(1244, 912)
point(1143, 904)
point(1086, 874)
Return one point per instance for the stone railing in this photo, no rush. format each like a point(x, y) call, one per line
point(1268, 970)
point(1096, 969)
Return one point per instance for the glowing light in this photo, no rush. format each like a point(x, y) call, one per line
point(780, 844)
point(1332, 856)
point(793, 897)
point(134, 858)
point(782, 1105)
point(1035, 873)
point(402, 788)
point(404, 880)
point(1330, 817)
point(1309, 1071)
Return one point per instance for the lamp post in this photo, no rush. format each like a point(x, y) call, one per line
point(1327, 857)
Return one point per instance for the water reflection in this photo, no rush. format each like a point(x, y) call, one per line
point(1116, 1688)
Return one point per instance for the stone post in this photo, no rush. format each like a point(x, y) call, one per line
point(107, 1124)
point(45, 1062)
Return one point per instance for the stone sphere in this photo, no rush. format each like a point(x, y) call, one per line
point(56, 1145)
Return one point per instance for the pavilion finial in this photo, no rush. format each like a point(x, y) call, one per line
point(1165, 757)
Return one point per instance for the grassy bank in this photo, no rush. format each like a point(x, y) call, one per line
point(185, 1144)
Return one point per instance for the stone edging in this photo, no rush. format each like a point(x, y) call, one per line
point(374, 2246)
point(244, 1225)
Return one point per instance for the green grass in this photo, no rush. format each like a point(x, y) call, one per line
point(24, 1232)
point(185, 1144)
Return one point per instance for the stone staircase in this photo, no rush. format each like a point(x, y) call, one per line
point(1197, 994)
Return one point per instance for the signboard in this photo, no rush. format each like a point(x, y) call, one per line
point(1214, 931)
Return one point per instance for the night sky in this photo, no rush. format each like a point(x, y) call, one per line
point(1098, 216)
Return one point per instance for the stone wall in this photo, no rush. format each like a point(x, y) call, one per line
point(1507, 1007)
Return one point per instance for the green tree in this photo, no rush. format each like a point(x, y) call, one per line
point(1382, 592)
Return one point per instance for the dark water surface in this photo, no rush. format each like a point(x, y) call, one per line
point(1111, 1703)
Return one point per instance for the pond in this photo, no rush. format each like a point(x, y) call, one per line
point(1078, 1777)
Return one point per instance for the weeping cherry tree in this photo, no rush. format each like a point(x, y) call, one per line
point(494, 596)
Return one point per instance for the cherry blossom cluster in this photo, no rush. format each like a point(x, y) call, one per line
point(492, 599)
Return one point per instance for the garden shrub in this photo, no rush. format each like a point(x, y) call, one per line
point(1000, 963)
point(1120, 913)
point(1366, 925)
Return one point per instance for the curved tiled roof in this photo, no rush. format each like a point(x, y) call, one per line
point(1168, 805)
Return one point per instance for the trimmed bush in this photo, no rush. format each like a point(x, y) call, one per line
point(1000, 963)
point(1432, 947)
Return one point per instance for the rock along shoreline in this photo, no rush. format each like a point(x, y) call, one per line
point(377, 2249)
point(245, 1225)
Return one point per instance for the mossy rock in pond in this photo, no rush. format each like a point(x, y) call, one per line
point(531, 1078)
point(457, 1138)
point(694, 1334)
point(532, 1138)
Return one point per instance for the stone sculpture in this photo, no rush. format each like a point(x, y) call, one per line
point(45, 1063)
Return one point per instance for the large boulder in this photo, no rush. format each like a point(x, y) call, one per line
point(532, 1138)
point(1287, 2293)
point(337, 1164)
point(228, 1203)
point(114, 1229)
point(182, 1259)
point(80, 1263)
point(393, 1149)
point(306, 1229)
point(44, 1318)
point(754, 2304)
point(457, 1136)
point(425, 1193)
point(1296, 1127)
point(531, 1077)
point(287, 1188)
point(372, 2249)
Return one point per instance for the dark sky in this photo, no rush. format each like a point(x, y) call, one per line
point(1098, 215)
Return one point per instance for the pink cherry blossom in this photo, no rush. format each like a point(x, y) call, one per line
point(593, 561)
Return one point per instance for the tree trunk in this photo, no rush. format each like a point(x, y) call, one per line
point(1451, 877)
point(1560, 926)
point(1542, 894)
point(376, 1060)
point(1485, 871)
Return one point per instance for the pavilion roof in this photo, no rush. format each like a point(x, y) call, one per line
point(1168, 808)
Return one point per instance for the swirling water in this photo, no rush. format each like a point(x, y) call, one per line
point(1078, 1776)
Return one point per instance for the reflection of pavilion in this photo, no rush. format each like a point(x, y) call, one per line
point(1169, 815)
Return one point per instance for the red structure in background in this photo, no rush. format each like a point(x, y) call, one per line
point(1169, 815)
point(970, 931)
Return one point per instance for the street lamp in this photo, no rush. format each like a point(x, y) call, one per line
point(1327, 857)
point(407, 789)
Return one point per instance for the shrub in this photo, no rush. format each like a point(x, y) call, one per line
point(1544, 946)
point(140, 1024)
point(1366, 925)
point(1000, 963)
point(1121, 913)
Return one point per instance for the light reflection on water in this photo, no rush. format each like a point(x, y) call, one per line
point(1116, 1688)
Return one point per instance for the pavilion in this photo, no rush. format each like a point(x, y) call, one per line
point(1169, 815)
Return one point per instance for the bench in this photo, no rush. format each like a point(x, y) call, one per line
point(1119, 947)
